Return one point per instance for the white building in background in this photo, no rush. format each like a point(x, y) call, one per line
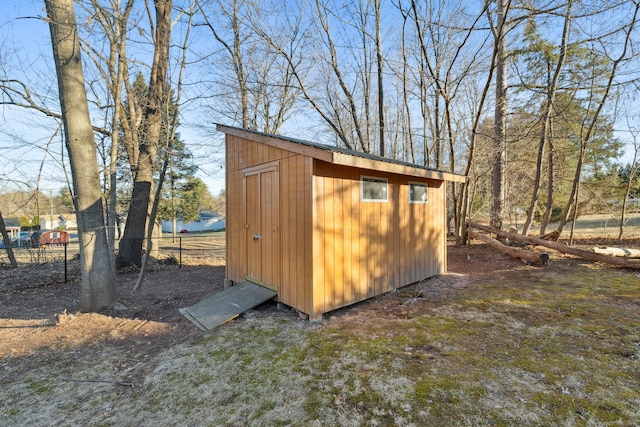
point(207, 221)
point(58, 222)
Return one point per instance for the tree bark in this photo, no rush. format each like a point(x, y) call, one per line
point(560, 247)
point(7, 243)
point(500, 123)
point(546, 218)
point(620, 252)
point(379, 61)
point(546, 121)
point(98, 289)
point(130, 251)
point(524, 255)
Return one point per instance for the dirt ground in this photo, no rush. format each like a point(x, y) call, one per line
point(38, 315)
point(35, 306)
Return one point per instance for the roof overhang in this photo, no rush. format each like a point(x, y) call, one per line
point(341, 156)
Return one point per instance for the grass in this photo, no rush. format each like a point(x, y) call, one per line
point(554, 346)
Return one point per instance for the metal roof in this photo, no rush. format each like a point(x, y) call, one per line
point(341, 150)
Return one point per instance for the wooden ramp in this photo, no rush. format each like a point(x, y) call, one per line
point(226, 305)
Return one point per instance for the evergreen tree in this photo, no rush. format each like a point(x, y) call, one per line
point(181, 167)
point(186, 202)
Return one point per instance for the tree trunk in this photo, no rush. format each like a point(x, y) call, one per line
point(117, 65)
point(546, 121)
point(500, 123)
point(532, 257)
point(620, 252)
point(130, 252)
point(380, 79)
point(550, 184)
point(7, 243)
point(560, 247)
point(627, 190)
point(98, 289)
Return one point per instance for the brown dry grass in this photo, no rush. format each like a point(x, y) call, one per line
point(493, 342)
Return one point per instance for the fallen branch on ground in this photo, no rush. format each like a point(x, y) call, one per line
point(560, 247)
point(620, 252)
point(523, 254)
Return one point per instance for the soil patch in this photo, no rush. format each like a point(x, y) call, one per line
point(147, 364)
point(35, 308)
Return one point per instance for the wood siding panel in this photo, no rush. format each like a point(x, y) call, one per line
point(293, 272)
point(234, 227)
point(348, 224)
point(288, 239)
point(335, 249)
point(300, 229)
point(307, 274)
point(365, 249)
point(319, 252)
point(356, 279)
point(363, 214)
point(295, 225)
point(331, 259)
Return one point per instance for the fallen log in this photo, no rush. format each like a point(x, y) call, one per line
point(524, 255)
point(560, 247)
point(553, 235)
point(619, 252)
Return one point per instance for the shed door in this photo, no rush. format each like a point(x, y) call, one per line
point(262, 225)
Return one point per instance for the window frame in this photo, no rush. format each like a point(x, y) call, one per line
point(421, 184)
point(364, 179)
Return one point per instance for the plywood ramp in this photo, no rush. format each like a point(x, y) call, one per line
point(226, 305)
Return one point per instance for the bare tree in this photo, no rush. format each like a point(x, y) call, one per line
point(379, 63)
point(130, 250)
point(335, 71)
point(171, 125)
point(633, 172)
point(98, 277)
point(590, 121)
point(546, 119)
point(113, 23)
point(251, 77)
point(500, 116)
point(447, 64)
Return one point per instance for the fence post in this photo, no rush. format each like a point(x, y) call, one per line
point(180, 254)
point(65, 261)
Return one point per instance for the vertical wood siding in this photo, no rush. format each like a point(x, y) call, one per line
point(295, 265)
point(363, 249)
point(335, 250)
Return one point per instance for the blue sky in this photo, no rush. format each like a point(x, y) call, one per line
point(25, 52)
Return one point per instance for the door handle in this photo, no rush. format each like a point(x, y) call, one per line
point(257, 237)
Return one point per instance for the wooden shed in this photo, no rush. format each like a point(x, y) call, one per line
point(327, 227)
point(54, 237)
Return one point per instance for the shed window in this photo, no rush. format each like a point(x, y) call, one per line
point(418, 193)
point(373, 189)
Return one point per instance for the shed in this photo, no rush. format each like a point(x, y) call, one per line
point(54, 237)
point(326, 227)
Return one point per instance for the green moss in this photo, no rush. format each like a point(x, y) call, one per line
point(11, 411)
point(40, 387)
point(535, 347)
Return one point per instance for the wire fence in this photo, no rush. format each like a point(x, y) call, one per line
point(183, 249)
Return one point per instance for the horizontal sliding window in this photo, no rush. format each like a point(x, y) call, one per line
point(373, 189)
point(418, 193)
